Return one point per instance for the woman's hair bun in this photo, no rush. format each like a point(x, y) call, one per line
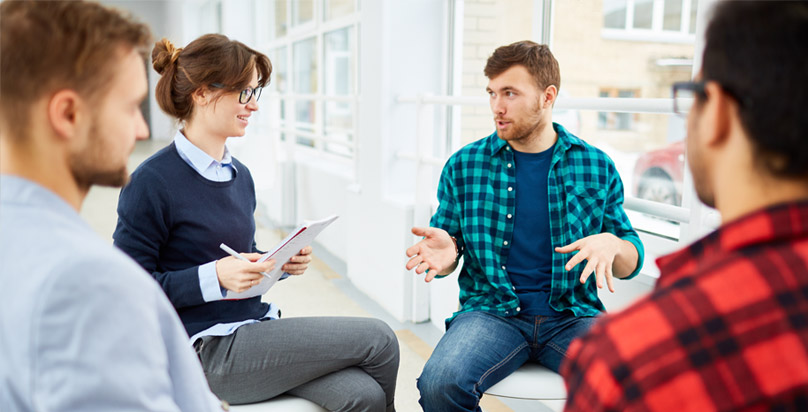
point(164, 54)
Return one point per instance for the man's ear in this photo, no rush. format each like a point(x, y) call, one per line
point(550, 94)
point(65, 111)
point(716, 114)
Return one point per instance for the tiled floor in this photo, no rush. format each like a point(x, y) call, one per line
point(319, 292)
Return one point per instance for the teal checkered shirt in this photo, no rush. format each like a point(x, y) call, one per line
point(477, 204)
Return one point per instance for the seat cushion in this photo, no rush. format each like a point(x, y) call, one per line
point(531, 381)
point(282, 403)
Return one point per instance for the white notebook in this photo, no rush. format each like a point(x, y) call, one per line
point(290, 246)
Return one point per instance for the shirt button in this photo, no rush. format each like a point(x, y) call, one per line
point(510, 189)
point(518, 309)
point(503, 267)
point(505, 242)
point(513, 288)
point(509, 165)
point(510, 215)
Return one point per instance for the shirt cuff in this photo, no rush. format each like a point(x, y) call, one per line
point(209, 282)
point(635, 240)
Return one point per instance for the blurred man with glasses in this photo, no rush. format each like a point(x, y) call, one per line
point(726, 328)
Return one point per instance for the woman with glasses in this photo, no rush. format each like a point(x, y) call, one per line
point(192, 196)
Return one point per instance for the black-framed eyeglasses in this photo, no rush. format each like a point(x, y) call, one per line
point(685, 94)
point(245, 95)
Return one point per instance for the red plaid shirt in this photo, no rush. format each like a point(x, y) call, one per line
point(726, 328)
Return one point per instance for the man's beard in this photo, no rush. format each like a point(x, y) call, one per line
point(524, 129)
point(520, 132)
point(91, 166)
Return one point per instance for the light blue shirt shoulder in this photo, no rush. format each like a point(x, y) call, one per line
point(82, 326)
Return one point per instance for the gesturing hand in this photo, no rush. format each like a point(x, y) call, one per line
point(433, 254)
point(599, 251)
point(298, 264)
point(238, 275)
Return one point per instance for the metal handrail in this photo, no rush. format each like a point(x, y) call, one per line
point(603, 104)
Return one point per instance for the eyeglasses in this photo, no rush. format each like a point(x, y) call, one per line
point(684, 94)
point(245, 95)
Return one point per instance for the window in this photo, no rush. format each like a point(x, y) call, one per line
point(338, 8)
point(302, 12)
point(646, 145)
point(304, 72)
point(617, 121)
point(650, 20)
point(314, 49)
point(339, 115)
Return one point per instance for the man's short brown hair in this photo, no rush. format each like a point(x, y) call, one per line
point(537, 59)
point(46, 46)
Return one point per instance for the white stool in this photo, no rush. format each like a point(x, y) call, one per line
point(533, 382)
point(282, 403)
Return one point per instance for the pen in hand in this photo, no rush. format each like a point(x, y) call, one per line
point(236, 255)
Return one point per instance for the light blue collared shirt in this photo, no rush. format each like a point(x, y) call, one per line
point(223, 171)
point(82, 326)
point(203, 163)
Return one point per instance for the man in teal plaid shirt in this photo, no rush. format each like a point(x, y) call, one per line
point(516, 205)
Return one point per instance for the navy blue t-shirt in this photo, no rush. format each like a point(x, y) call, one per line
point(530, 259)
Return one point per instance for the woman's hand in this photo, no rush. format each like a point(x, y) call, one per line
point(237, 275)
point(298, 263)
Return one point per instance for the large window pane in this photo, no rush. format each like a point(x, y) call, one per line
point(651, 161)
point(280, 18)
point(304, 67)
point(643, 146)
point(339, 81)
point(614, 14)
point(280, 71)
point(647, 67)
point(302, 11)
point(643, 14)
point(672, 17)
point(279, 80)
point(694, 6)
point(333, 9)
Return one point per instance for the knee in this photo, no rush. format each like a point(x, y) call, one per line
point(385, 340)
point(441, 381)
point(368, 400)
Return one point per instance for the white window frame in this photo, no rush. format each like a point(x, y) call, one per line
point(655, 34)
point(317, 29)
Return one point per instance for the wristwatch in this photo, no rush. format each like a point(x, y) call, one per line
point(458, 251)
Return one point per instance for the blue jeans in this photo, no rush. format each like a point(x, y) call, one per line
point(480, 349)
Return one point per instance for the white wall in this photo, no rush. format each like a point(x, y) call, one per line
point(402, 52)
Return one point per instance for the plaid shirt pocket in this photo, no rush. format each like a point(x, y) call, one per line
point(585, 209)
